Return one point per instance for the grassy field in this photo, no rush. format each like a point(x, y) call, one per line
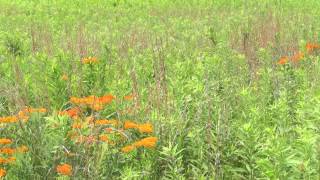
point(166, 89)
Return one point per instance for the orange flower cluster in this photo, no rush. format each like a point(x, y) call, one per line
point(8, 160)
point(106, 139)
point(311, 47)
point(130, 125)
point(3, 172)
point(64, 169)
point(143, 128)
point(8, 151)
point(9, 119)
point(94, 102)
point(89, 60)
point(295, 58)
point(5, 141)
point(149, 142)
point(23, 115)
point(72, 113)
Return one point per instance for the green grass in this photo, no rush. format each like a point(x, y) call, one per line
point(204, 73)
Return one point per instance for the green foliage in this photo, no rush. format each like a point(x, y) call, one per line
point(204, 72)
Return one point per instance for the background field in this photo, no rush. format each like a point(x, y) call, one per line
point(204, 73)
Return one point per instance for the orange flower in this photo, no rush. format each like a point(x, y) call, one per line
point(89, 60)
point(297, 56)
point(130, 125)
point(64, 77)
point(9, 160)
point(75, 100)
point(8, 151)
point(311, 47)
point(22, 149)
point(283, 60)
point(148, 142)
point(76, 125)
point(3, 172)
point(5, 141)
point(127, 149)
point(145, 128)
point(128, 97)
point(22, 115)
point(9, 119)
point(94, 102)
point(73, 113)
point(64, 169)
point(104, 138)
point(106, 99)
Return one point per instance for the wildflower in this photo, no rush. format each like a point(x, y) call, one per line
point(283, 60)
point(75, 100)
point(5, 141)
point(127, 149)
point(106, 99)
point(297, 56)
point(89, 60)
point(128, 97)
point(10, 160)
point(22, 149)
point(64, 169)
point(8, 151)
point(145, 128)
point(311, 47)
point(76, 125)
point(6, 161)
point(64, 77)
point(130, 125)
point(148, 142)
point(3, 172)
point(23, 116)
point(9, 119)
point(97, 107)
point(73, 113)
point(105, 138)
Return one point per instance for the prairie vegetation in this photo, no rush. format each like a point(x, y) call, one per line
point(170, 89)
